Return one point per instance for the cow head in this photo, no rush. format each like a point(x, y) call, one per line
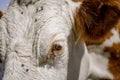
point(39, 40)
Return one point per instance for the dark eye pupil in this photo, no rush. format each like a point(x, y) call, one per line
point(57, 47)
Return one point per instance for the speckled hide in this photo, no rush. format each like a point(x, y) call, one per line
point(38, 42)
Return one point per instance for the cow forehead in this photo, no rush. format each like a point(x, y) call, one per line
point(24, 19)
point(38, 23)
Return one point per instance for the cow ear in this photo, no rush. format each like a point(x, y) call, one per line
point(1, 14)
point(95, 19)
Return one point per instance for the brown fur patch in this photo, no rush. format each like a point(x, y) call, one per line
point(96, 18)
point(94, 21)
point(99, 41)
point(1, 14)
point(78, 0)
point(114, 62)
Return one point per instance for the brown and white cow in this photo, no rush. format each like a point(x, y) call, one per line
point(100, 22)
point(43, 39)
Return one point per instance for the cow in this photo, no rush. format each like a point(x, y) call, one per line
point(100, 22)
point(43, 40)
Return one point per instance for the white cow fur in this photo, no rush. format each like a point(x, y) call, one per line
point(28, 31)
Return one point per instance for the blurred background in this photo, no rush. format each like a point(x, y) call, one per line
point(4, 4)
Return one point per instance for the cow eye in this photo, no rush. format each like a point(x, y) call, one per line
point(57, 47)
point(56, 50)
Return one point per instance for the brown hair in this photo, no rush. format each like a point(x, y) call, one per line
point(1, 14)
point(78, 0)
point(95, 19)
